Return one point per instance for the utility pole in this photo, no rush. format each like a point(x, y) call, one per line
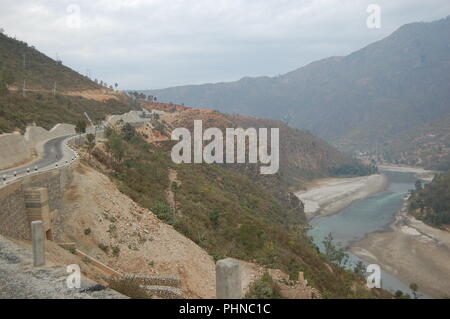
point(89, 119)
point(54, 89)
point(23, 91)
point(95, 132)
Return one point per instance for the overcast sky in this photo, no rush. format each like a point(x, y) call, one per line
point(160, 43)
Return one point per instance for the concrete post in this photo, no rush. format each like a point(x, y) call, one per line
point(38, 209)
point(228, 279)
point(38, 238)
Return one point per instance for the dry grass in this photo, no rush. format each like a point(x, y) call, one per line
point(72, 194)
point(81, 169)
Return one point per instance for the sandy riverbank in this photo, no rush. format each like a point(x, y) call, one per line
point(412, 251)
point(329, 196)
point(420, 172)
point(403, 168)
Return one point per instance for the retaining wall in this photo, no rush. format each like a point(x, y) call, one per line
point(35, 134)
point(14, 221)
point(16, 149)
point(13, 150)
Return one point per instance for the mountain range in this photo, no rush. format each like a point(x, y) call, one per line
point(359, 102)
point(225, 211)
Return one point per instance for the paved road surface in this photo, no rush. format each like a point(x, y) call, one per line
point(53, 153)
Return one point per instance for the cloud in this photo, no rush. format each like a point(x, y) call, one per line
point(159, 43)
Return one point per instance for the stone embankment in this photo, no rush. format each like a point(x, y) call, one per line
point(162, 286)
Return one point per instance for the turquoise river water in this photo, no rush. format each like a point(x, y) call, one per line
point(365, 216)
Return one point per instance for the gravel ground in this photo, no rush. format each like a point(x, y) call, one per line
point(20, 280)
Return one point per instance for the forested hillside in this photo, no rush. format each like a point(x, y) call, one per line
point(427, 145)
point(222, 209)
point(431, 203)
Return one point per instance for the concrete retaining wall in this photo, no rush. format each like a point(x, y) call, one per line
point(130, 117)
point(35, 134)
point(62, 129)
point(13, 150)
point(14, 220)
point(16, 149)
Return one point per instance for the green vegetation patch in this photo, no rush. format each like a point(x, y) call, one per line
point(431, 203)
point(224, 212)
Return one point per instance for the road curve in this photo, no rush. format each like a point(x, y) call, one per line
point(54, 152)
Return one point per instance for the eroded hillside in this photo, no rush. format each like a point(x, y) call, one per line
point(109, 226)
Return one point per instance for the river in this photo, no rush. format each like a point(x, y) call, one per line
point(365, 216)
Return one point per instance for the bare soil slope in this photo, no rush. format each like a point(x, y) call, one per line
point(129, 238)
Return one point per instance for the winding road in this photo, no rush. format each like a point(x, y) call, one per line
point(55, 151)
point(56, 154)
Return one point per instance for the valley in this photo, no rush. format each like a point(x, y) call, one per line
point(269, 187)
point(375, 100)
point(378, 230)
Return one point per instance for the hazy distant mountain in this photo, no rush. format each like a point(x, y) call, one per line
point(358, 101)
point(427, 145)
